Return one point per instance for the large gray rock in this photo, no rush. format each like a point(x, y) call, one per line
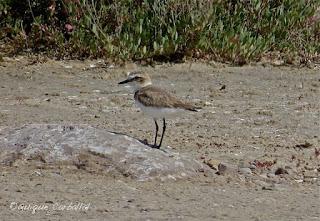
point(122, 153)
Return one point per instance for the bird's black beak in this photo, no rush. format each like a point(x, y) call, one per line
point(124, 82)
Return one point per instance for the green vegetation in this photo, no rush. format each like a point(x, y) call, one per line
point(225, 30)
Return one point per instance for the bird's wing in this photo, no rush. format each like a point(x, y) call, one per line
point(156, 97)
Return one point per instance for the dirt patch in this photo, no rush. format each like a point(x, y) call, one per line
point(259, 126)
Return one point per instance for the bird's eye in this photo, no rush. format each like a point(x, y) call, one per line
point(138, 78)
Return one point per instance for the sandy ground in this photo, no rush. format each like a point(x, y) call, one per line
point(261, 116)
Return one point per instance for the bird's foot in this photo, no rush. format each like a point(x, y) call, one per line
point(155, 146)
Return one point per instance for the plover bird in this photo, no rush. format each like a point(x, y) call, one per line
point(155, 102)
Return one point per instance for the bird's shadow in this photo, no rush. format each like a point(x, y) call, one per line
point(144, 142)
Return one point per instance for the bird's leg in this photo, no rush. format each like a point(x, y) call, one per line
point(163, 130)
point(157, 129)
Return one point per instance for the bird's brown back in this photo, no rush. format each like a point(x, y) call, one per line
point(157, 97)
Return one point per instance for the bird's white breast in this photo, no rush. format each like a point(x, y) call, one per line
point(158, 112)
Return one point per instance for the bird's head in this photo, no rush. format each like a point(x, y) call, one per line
point(137, 80)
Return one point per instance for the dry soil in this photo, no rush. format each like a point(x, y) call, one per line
point(260, 122)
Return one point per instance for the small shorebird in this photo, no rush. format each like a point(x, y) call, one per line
point(155, 102)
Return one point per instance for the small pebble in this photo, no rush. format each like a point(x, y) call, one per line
point(280, 170)
point(245, 170)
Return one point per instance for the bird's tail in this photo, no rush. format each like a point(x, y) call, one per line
point(193, 108)
point(188, 107)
